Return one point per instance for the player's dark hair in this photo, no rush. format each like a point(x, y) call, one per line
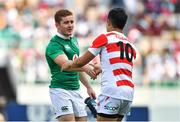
point(61, 13)
point(117, 17)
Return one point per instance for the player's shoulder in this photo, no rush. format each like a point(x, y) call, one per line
point(54, 42)
point(99, 41)
point(75, 39)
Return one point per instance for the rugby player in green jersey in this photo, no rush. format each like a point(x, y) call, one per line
point(64, 87)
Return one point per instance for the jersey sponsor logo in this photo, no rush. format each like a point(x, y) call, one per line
point(122, 38)
point(111, 108)
point(67, 47)
point(64, 108)
point(76, 44)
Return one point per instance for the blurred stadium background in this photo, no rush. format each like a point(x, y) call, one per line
point(27, 25)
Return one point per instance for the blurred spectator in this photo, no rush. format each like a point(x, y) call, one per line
point(177, 5)
point(2, 105)
point(2, 119)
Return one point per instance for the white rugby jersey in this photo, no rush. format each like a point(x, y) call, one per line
point(117, 54)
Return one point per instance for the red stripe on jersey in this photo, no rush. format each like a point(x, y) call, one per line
point(125, 83)
point(118, 60)
point(122, 71)
point(112, 47)
point(99, 41)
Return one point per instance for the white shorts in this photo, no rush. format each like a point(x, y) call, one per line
point(67, 102)
point(113, 106)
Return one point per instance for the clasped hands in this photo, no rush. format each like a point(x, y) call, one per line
point(93, 70)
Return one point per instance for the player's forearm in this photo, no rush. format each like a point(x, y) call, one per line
point(77, 64)
point(84, 80)
point(83, 60)
point(67, 67)
point(73, 66)
point(74, 69)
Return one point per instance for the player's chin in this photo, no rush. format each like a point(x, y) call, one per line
point(69, 33)
point(70, 30)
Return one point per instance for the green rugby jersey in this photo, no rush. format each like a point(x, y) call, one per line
point(68, 80)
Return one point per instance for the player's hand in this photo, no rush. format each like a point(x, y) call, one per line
point(91, 93)
point(97, 68)
point(90, 71)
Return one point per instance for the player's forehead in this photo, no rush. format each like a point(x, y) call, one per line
point(67, 18)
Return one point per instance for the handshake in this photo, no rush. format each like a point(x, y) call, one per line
point(93, 70)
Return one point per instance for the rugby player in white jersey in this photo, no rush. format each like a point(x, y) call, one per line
point(117, 54)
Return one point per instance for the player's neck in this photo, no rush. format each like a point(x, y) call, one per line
point(117, 29)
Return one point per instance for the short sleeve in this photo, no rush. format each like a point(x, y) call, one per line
point(54, 50)
point(97, 44)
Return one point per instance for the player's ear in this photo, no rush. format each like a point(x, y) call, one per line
point(108, 22)
point(57, 24)
point(108, 25)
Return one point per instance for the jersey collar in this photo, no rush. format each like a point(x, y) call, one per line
point(119, 33)
point(62, 36)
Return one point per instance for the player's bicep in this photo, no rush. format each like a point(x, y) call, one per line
point(56, 53)
point(61, 59)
